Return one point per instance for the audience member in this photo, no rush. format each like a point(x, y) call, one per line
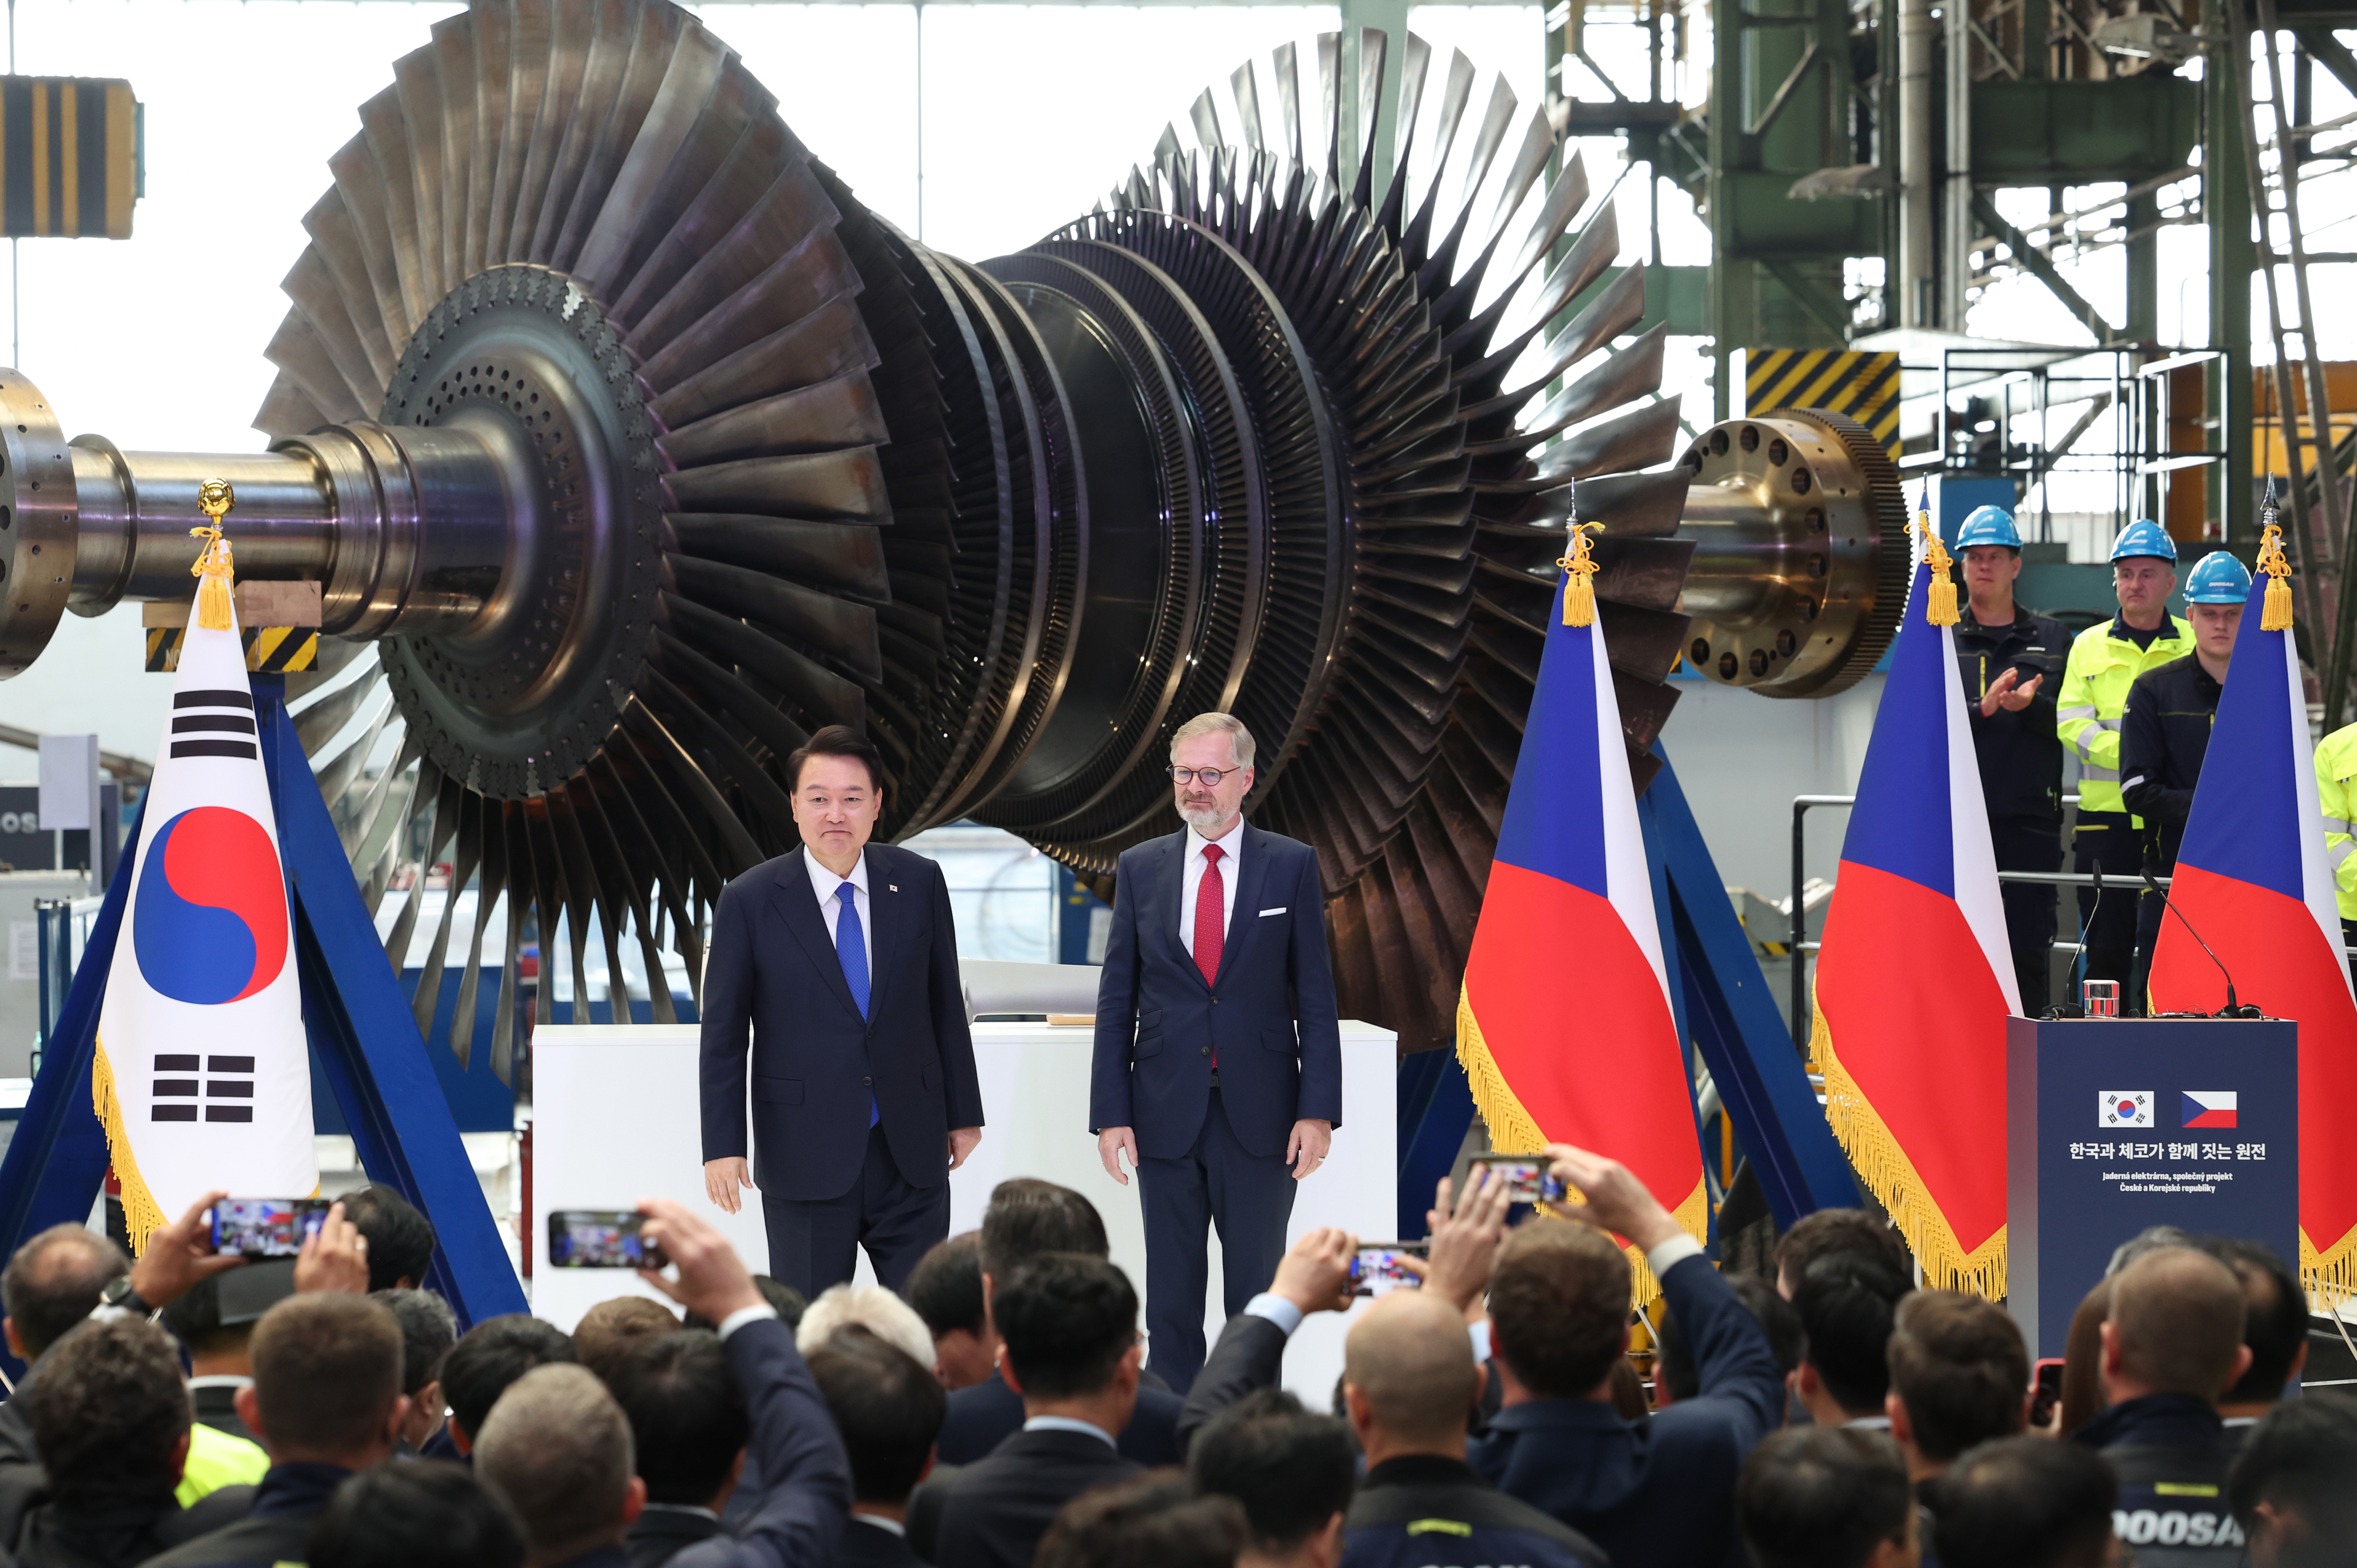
point(787, 1302)
point(2294, 1484)
point(1845, 1301)
point(1067, 1329)
point(428, 1330)
point(1292, 1472)
point(1157, 1519)
point(400, 1516)
point(1659, 1491)
point(326, 1402)
point(887, 1406)
point(2275, 1327)
point(49, 1286)
point(1828, 1232)
point(871, 1308)
point(945, 1287)
point(1676, 1376)
point(1959, 1378)
point(1026, 1220)
point(111, 1417)
point(214, 1321)
point(1828, 1497)
point(400, 1239)
point(1410, 1383)
point(557, 1446)
point(2171, 1345)
point(2083, 1355)
point(609, 1331)
point(689, 1429)
point(493, 1355)
point(2024, 1502)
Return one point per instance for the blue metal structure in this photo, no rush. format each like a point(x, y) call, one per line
point(1723, 1005)
point(364, 1040)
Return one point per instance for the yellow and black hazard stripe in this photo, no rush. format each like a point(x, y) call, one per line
point(269, 650)
point(1861, 385)
point(69, 157)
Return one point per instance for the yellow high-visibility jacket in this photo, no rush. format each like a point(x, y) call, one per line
point(2336, 795)
point(2103, 666)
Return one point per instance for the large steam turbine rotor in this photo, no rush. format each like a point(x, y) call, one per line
point(628, 449)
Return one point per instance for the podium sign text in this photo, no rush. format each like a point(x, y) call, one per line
point(2114, 1125)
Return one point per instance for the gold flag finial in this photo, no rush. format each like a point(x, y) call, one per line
point(2275, 610)
point(213, 568)
point(1942, 608)
point(1579, 576)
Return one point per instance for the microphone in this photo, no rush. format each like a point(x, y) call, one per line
point(2230, 1010)
point(2087, 924)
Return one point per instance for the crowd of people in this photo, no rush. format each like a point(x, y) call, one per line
point(194, 1410)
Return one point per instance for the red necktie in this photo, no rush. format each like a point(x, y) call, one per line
point(1211, 915)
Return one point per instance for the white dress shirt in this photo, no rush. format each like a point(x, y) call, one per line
point(825, 882)
point(1230, 851)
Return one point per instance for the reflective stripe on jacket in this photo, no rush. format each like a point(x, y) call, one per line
point(2336, 797)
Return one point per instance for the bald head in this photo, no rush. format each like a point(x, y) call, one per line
point(1408, 1366)
point(2176, 1324)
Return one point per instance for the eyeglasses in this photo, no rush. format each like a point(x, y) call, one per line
point(1207, 777)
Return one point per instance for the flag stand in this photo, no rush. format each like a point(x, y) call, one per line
point(363, 1037)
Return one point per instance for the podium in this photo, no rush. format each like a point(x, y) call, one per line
point(2114, 1125)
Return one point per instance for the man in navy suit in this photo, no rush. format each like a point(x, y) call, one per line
point(841, 959)
point(1218, 1063)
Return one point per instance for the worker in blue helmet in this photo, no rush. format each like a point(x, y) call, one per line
point(2012, 666)
point(2107, 839)
point(2164, 733)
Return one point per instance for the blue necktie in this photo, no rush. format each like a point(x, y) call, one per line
point(851, 952)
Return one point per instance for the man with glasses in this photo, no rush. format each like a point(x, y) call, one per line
point(1218, 1063)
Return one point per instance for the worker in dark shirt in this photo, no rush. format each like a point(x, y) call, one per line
point(2164, 733)
point(2012, 667)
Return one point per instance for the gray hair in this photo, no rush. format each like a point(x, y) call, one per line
point(556, 1448)
point(1217, 724)
point(871, 1308)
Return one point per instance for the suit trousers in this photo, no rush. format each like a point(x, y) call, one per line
point(2107, 838)
point(816, 1244)
point(1218, 1181)
point(2028, 843)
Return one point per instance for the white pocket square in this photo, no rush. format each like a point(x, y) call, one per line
point(1265, 914)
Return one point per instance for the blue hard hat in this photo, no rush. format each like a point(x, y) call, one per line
point(1988, 526)
point(2144, 537)
point(2218, 579)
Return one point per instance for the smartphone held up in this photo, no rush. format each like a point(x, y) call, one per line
point(1529, 1178)
point(601, 1239)
point(1376, 1269)
point(267, 1227)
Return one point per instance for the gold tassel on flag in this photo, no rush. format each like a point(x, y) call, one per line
point(1941, 610)
point(212, 567)
point(1579, 576)
point(2275, 610)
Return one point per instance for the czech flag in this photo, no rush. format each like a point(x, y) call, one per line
point(203, 1071)
point(2209, 1107)
point(2251, 877)
point(1914, 979)
point(1565, 1025)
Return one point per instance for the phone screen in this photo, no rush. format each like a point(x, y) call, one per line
point(600, 1238)
point(2046, 1391)
point(1528, 1177)
point(267, 1226)
point(1376, 1269)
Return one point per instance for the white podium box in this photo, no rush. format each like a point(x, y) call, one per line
point(616, 1119)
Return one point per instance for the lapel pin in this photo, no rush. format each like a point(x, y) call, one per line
point(892, 886)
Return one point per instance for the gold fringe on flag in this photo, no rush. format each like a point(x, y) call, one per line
point(1579, 576)
point(2330, 1275)
point(142, 1217)
point(2275, 610)
point(1512, 1126)
point(1940, 610)
point(1891, 1177)
point(212, 568)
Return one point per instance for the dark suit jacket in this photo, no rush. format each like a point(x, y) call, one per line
point(805, 1477)
point(986, 1414)
point(995, 1511)
point(288, 1501)
point(866, 1546)
point(1659, 1491)
point(773, 969)
point(1250, 1355)
point(663, 1533)
point(50, 1535)
point(1270, 1015)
